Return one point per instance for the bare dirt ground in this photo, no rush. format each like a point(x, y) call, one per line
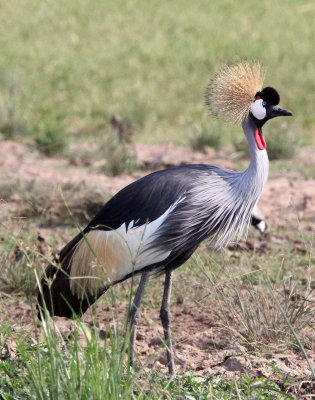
point(284, 195)
point(200, 344)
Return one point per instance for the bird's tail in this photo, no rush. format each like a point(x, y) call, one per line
point(55, 295)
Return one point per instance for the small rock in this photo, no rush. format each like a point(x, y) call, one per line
point(103, 334)
point(10, 350)
point(62, 327)
point(156, 341)
point(233, 364)
point(140, 336)
point(286, 361)
point(163, 360)
point(181, 361)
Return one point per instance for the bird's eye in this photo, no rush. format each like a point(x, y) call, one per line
point(264, 104)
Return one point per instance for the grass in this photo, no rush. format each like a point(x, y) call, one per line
point(114, 154)
point(20, 262)
point(252, 316)
point(65, 369)
point(50, 372)
point(206, 137)
point(67, 69)
point(282, 143)
point(231, 290)
point(50, 205)
point(51, 142)
point(47, 363)
point(239, 285)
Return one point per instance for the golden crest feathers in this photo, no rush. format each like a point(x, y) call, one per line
point(231, 92)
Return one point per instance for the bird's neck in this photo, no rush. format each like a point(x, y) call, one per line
point(257, 172)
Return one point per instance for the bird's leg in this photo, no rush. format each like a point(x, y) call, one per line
point(134, 313)
point(165, 315)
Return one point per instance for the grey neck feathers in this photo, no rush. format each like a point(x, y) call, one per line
point(218, 204)
point(244, 190)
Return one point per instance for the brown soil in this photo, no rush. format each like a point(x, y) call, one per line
point(200, 343)
point(284, 199)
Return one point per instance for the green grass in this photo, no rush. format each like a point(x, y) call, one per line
point(207, 137)
point(51, 141)
point(49, 372)
point(64, 369)
point(116, 155)
point(67, 68)
point(234, 288)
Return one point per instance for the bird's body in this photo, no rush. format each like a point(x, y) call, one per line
point(153, 226)
point(158, 221)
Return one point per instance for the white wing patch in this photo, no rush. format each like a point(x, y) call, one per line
point(104, 257)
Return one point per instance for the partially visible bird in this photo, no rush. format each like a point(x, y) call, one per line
point(155, 224)
point(258, 220)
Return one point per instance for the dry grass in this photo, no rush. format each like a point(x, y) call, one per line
point(20, 262)
point(54, 206)
point(244, 294)
point(111, 151)
point(237, 296)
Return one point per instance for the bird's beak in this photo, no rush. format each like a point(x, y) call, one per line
point(278, 112)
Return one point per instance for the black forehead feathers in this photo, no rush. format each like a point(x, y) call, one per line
point(269, 94)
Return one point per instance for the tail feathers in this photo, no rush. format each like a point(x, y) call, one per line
point(55, 295)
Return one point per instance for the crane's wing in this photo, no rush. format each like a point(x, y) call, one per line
point(116, 243)
point(143, 200)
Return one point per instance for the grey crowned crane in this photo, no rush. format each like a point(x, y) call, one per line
point(155, 224)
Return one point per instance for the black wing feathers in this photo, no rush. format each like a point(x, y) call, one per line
point(142, 201)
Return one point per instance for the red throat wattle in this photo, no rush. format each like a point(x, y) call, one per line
point(260, 140)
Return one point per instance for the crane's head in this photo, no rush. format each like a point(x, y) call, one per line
point(266, 106)
point(235, 94)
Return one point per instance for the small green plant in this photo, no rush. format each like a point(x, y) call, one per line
point(11, 121)
point(51, 142)
point(120, 156)
point(194, 387)
point(241, 146)
point(110, 149)
point(283, 144)
point(207, 138)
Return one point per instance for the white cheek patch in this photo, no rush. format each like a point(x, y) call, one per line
point(258, 110)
